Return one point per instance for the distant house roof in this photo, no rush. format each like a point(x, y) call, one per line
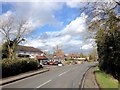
point(28, 49)
point(59, 54)
point(41, 57)
point(73, 55)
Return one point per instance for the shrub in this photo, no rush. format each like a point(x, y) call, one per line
point(14, 67)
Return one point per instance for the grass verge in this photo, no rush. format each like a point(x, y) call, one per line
point(104, 80)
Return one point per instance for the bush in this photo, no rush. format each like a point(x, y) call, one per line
point(14, 67)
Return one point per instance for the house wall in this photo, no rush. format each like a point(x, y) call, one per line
point(31, 54)
point(59, 57)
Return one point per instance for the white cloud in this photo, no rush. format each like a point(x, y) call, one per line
point(9, 18)
point(87, 46)
point(73, 4)
point(97, 18)
point(40, 13)
point(77, 26)
point(35, 43)
point(54, 41)
point(1, 40)
point(37, 14)
point(76, 4)
point(69, 38)
point(74, 42)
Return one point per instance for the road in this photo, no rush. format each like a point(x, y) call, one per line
point(68, 76)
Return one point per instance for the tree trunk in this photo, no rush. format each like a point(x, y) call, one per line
point(11, 53)
point(119, 84)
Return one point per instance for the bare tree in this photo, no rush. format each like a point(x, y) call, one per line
point(13, 32)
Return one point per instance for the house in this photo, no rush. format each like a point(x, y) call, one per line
point(75, 57)
point(59, 55)
point(41, 58)
point(30, 52)
point(48, 55)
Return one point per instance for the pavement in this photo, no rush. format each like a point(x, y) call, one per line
point(21, 76)
point(89, 80)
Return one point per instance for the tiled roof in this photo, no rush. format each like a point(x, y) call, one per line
point(41, 57)
point(28, 49)
point(74, 55)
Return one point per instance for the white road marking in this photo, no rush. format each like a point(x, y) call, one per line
point(67, 71)
point(43, 84)
point(63, 73)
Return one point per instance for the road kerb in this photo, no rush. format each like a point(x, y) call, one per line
point(89, 79)
point(83, 79)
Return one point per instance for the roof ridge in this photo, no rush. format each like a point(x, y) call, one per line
point(28, 48)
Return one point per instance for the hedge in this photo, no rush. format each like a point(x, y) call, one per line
point(14, 67)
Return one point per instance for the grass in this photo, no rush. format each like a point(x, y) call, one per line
point(105, 80)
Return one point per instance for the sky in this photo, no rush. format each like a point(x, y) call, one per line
point(52, 24)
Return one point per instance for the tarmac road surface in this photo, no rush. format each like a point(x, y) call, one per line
point(68, 76)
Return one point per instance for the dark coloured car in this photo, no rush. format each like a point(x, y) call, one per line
point(56, 63)
point(45, 62)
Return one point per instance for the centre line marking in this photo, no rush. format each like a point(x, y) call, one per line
point(63, 73)
point(44, 84)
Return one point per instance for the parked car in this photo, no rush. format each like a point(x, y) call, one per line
point(56, 62)
point(45, 62)
point(60, 64)
point(51, 63)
